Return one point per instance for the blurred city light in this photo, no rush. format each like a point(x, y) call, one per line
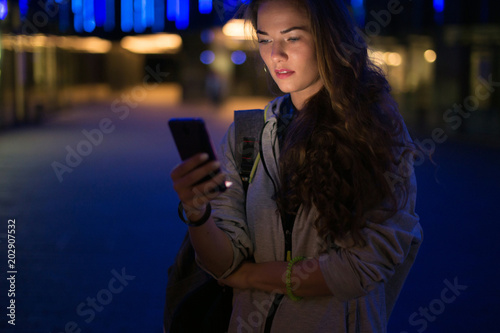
point(70, 43)
point(358, 8)
point(439, 6)
point(430, 56)
point(64, 16)
point(377, 57)
point(149, 9)
point(153, 44)
point(127, 11)
point(207, 36)
point(84, 44)
point(159, 24)
point(237, 29)
point(109, 25)
point(78, 22)
point(393, 59)
point(238, 57)
point(100, 13)
point(205, 6)
point(76, 6)
point(88, 16)
point(207, 57)
point(3, 9)
point(182, 15)
point(140, 23)
point(23, 8)
point(172, 9)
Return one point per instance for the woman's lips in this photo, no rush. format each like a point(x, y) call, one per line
point(283, 73)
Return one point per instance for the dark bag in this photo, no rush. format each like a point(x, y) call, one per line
point(195, 302)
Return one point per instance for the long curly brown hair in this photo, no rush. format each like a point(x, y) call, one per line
point(341, 147)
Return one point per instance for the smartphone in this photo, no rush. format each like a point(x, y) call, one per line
point(191, 138)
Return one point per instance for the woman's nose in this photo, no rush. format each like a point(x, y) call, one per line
point(278, 53)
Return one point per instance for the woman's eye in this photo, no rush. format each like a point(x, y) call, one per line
point(263, 41)
point(293, 39)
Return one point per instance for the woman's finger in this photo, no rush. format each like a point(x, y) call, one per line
point(188, 165)
point(192, 178)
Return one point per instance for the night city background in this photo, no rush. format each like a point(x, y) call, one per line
point(87, 88)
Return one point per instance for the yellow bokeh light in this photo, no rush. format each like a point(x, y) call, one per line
point(153, 44)
point(430, 56)
point(393, 59)
point(238, 29)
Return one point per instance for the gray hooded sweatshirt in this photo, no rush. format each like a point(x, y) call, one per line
point(365, 281)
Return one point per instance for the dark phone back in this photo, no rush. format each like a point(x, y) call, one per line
point(191, 137)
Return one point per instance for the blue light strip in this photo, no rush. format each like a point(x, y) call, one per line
point(159, 24)
point(100, 13)
point(64, 16)
point(358, 7)
point(139, 15)
point(205, 6)
point(23, 8)
point(88, 15)
point(76, 6)
point(127, 12)
point(4, 9)
point(109, 25)
point(357, 3)
point(172, 9)
point(439, 6)
point(78, 22)
point(150, 13)
point(182, 18)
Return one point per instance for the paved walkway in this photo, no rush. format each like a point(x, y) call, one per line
point(94, 239)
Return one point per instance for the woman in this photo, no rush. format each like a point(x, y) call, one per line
point(327, 232)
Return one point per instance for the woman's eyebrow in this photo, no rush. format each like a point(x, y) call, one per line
point(292, 29)
point(260, 32)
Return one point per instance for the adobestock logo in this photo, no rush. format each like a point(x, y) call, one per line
point(103, 297)
point(428, 314)
point(94, 137)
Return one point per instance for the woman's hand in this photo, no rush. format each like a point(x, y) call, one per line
point(195, 197)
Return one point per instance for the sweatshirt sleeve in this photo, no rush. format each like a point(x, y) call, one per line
point(353, 271)
point(228, 209)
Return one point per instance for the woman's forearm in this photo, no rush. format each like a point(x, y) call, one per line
point(213, 248)
point(306, 279)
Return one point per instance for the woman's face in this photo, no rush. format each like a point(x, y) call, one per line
point(287, 47)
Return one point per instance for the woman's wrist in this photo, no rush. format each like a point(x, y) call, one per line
point(267, 276)
point(194, 216)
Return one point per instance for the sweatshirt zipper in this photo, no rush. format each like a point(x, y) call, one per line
point(287, 224)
